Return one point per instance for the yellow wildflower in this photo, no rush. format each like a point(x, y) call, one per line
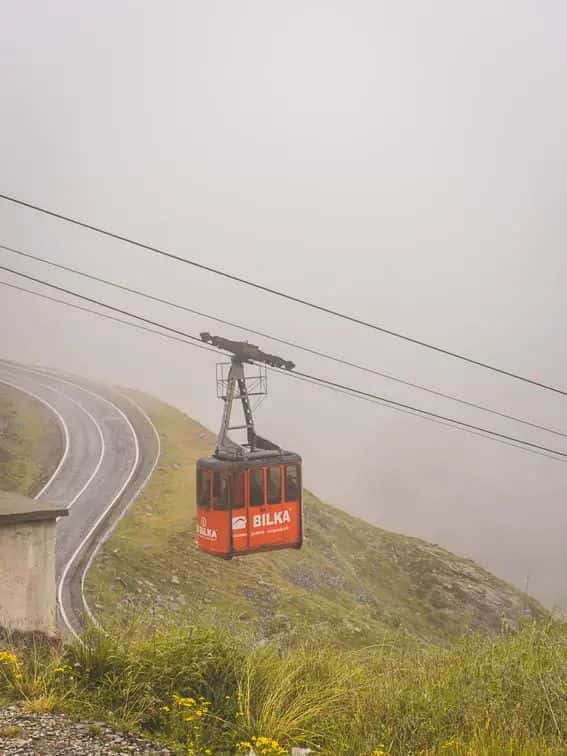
point(9, 659)
point(10, 665)
point(264, 746)
point(61, 670)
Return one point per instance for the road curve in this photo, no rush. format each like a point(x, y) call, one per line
point(109, 450)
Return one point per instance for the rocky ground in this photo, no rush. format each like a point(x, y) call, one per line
point(50, 734)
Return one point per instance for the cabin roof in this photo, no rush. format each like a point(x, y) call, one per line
point(244, 463)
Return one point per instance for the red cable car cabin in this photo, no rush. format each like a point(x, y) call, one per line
point(248, 495)
point(246, 506)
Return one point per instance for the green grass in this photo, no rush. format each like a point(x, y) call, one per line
point(201, 691)
point(11, 731)
point(329, 647)
point(364, 643)
point(352, 582)
point(29, 443)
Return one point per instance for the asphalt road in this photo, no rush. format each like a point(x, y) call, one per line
point(109, 448)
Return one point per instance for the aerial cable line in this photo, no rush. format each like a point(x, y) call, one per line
point(418, 414)
point(293, 344)
point(283, 295)
point(350, 394)
point(317, 379)
point(106, 316)
point(99, 303)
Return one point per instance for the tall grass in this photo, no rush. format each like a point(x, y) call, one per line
point(508, 690)
point(201, 688)
point(298, 697)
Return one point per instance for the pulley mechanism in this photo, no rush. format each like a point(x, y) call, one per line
point(245, 352)
point(233, 387)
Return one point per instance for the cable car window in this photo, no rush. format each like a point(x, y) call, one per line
point(237, 490)
point(257, 487)
point(220, 492)
point(291, 483)
point(203, 488)
point(274, 485)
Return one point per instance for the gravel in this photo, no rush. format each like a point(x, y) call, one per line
point(50, 734)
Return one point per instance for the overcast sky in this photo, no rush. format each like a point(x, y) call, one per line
point(404, 162)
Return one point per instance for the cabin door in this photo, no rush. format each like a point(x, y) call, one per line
point(240, 521)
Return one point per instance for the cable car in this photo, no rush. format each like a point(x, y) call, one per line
point(249, 496)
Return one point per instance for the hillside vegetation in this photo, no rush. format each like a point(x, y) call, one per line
point(324, 648)
point(205, 692)
point(30, 443)
point(352, 582)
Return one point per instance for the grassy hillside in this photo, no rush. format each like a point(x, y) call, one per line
point(206, 693)
point(352, 582)
point(30, 443)
point(196, 681)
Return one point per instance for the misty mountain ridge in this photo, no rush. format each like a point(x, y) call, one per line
point(352, 581)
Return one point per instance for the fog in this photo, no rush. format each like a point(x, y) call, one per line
point(403, 162)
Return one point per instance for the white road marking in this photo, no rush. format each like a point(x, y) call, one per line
point(110, 530)
point(105, 511)
point(62, 423)
point(83, 488)
point(118, 494)
point(64, 616)
point(100, 435)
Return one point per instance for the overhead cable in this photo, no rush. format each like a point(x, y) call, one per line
point(418, 414)
point(282, 294)
point(309, 350)
point(288, 374)
point(106, 316)
point(317, 379)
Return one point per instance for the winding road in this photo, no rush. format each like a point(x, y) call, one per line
point(109, 449)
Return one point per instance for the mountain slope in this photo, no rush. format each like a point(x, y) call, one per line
point(30, 442)
point(352, 581)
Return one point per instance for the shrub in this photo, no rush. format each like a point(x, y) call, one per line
point(204, 692)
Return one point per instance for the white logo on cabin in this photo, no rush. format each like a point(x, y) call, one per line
point(271, 518)
point(239, 523)
point(206, 532)
point(209, 533)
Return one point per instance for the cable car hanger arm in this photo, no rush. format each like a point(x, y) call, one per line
point(243, 351)
point(236, 388)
